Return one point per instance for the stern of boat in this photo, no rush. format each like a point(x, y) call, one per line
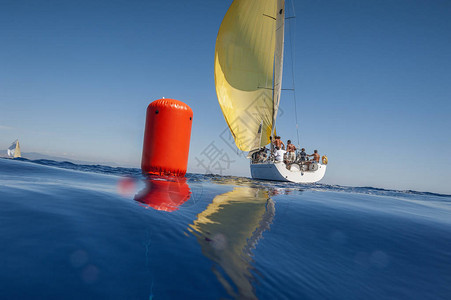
point(278, 171)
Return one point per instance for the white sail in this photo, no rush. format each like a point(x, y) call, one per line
point(14, 150)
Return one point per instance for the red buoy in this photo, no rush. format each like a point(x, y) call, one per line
point(166, 138)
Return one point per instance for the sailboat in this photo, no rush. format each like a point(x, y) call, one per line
point(14, 150)
point(248, 80)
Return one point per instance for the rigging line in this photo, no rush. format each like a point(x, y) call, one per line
point(265, 88)
point(269, 16)
point(292, 76)
point(294, 12)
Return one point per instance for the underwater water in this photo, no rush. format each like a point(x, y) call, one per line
point(94, 232)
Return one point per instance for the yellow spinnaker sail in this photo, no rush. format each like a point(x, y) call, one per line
point(248, 69)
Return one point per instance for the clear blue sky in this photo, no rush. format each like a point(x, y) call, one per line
point(372, 79)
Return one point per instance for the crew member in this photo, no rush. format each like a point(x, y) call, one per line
point(291, 151)
point(278, 142)
point(303, 155)
point(279, 154)
point(263, 154)
point(315, 156)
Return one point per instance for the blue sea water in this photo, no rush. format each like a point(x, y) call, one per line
point(94, 232)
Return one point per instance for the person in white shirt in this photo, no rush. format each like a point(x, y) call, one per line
point(279, 154)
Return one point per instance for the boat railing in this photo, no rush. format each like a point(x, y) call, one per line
point(265, 157)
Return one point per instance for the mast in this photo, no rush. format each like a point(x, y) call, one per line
point(278, 60)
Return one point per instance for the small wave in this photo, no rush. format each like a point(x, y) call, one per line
point(236, 180)
point(379, 191)
point(131, 172)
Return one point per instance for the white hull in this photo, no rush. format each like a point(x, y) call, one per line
point(279, 172)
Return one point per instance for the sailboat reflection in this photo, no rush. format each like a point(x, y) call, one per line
point(164, 193)
point(228, 229)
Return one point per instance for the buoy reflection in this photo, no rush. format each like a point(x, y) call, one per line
point(164, 193)
point(126, 186)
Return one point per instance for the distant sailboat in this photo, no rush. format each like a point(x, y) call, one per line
point(14, 150)
point(248, 79)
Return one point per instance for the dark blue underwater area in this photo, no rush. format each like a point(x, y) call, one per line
point(72, 231)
